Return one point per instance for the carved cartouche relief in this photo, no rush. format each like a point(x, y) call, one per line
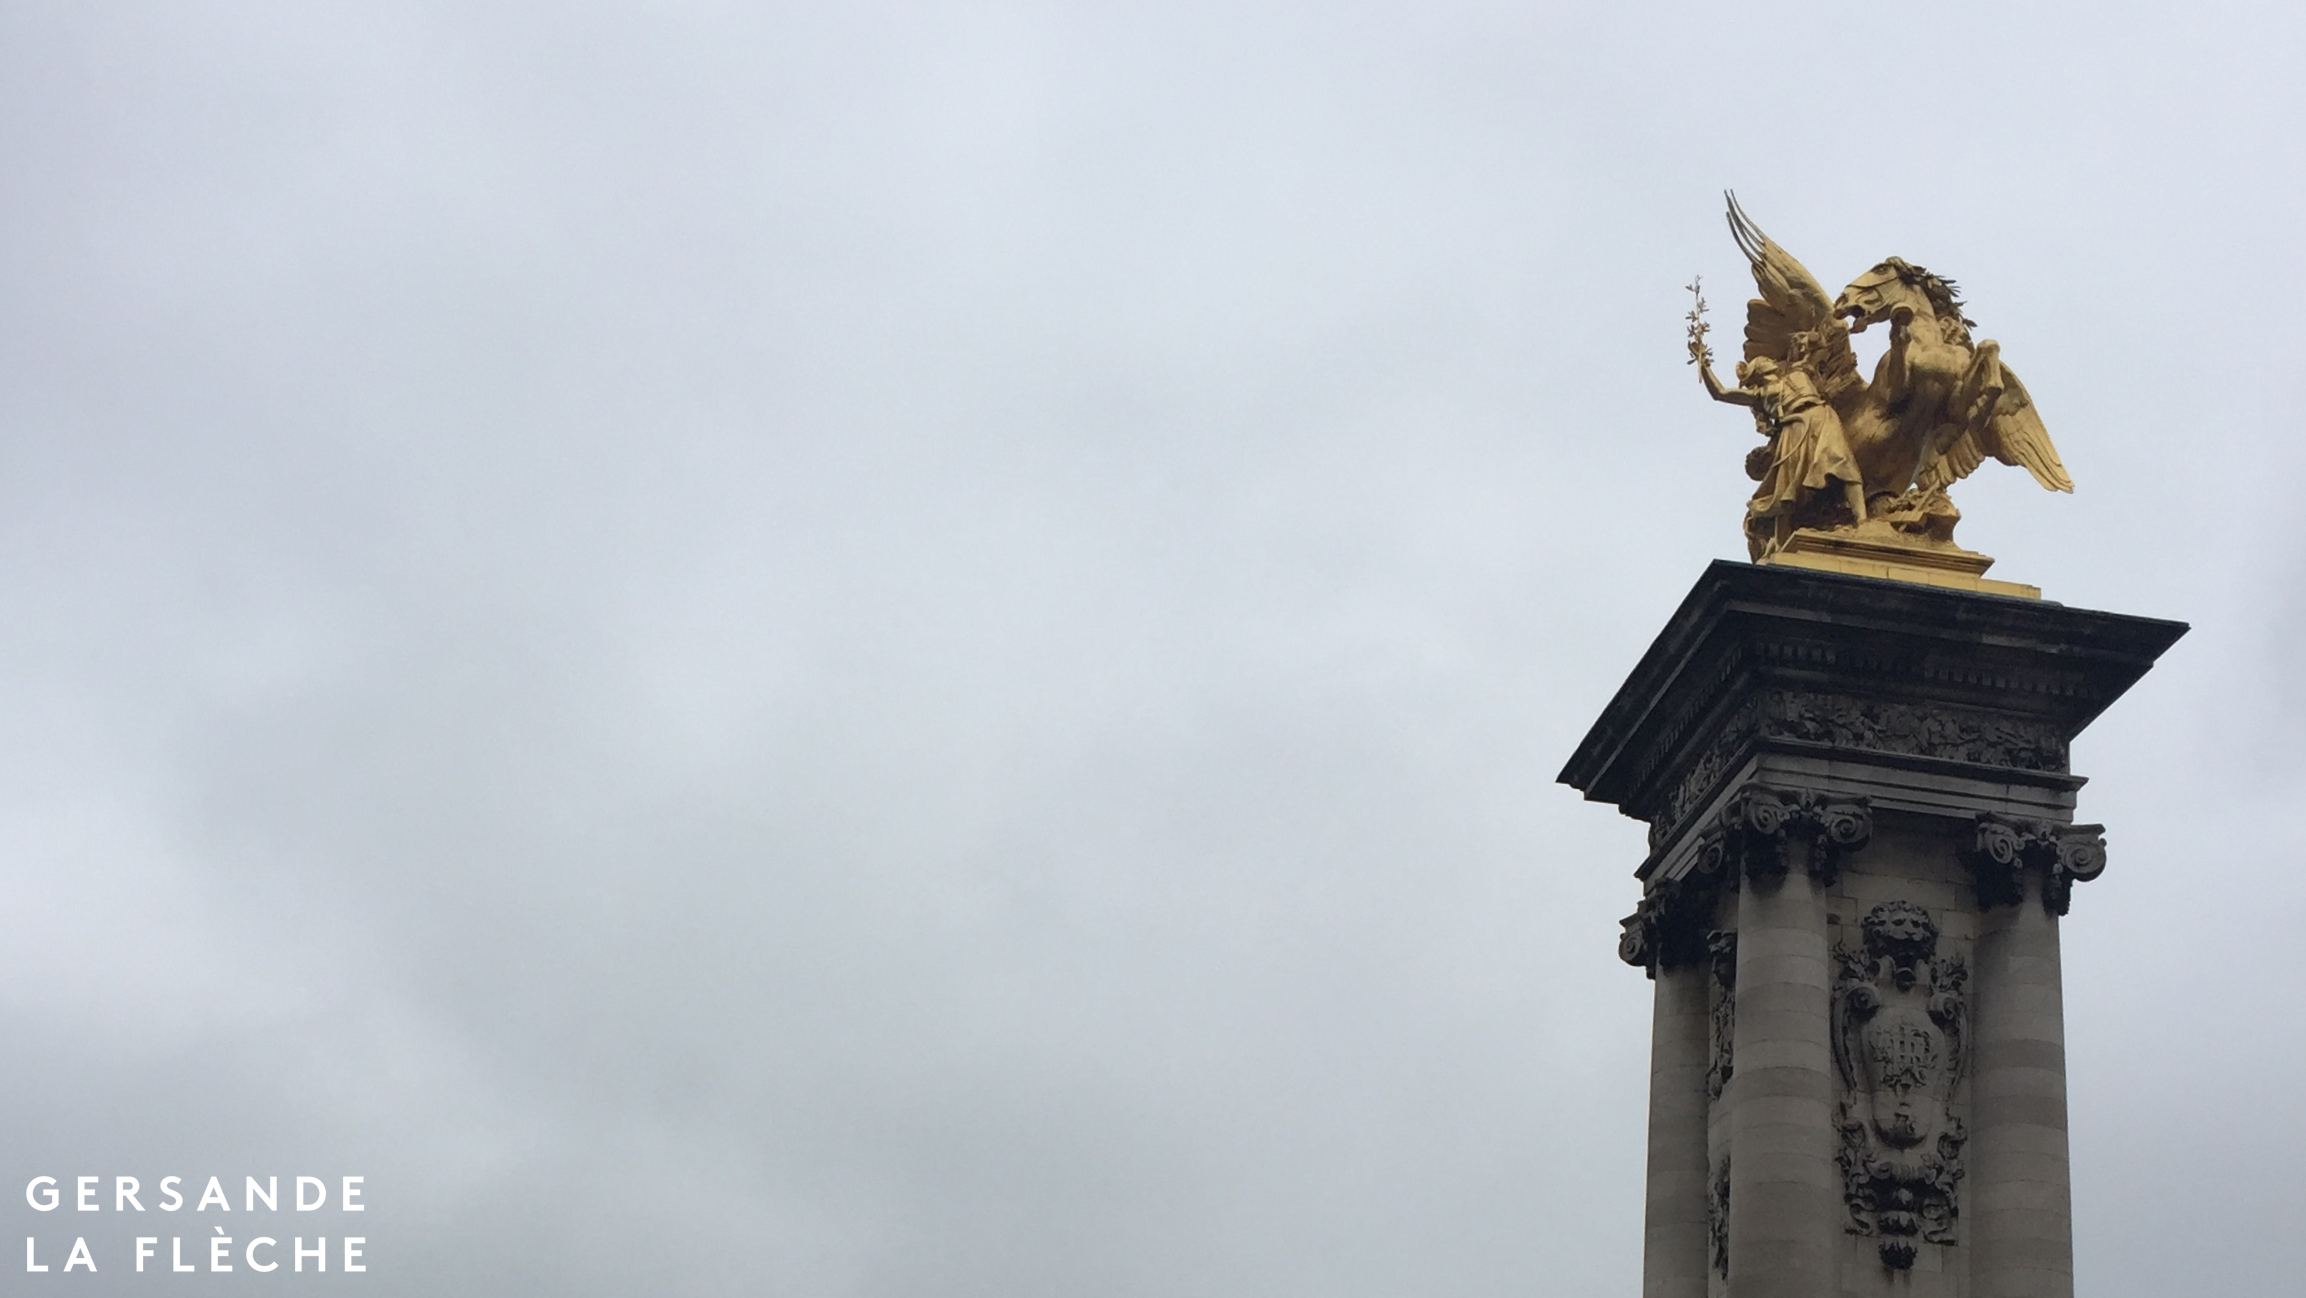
point(1900, 1043)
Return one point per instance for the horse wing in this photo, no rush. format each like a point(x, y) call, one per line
point(1955, 463)
point(1792, 300)
point(2016, 435)
point(1835, 362)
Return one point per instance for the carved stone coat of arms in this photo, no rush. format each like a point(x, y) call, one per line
point(1899, 1026)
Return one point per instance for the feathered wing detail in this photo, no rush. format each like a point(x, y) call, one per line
point(1955, 463)
point(2015, 436)
point(1792, 302)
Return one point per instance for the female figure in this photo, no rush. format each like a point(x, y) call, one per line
point(1807, 451)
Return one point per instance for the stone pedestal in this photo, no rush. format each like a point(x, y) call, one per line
point(1862, 840)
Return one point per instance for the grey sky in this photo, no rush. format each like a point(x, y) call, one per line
point(879, 650)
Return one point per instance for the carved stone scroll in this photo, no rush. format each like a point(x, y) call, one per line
point(1759, 834)
point(2006, 847)
point(1767, 831)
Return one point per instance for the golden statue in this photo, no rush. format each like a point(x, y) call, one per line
point(1854, 474)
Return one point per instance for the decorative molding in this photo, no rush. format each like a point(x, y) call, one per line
point(1926, 730)
point(1722, 1011)
point(1985, 682)
point(1717, 1198)
point(1904, 1202)
point(1718, 679)
point(2007, 846)
point(1730, 742)
point(1900, 1034)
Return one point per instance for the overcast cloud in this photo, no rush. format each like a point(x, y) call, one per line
point(887, 650)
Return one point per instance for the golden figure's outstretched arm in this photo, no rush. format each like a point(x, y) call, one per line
point(1702, 356)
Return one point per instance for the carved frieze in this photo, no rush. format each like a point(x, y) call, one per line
point(1730, 741)
point(1900, 1043)
point(2006, 847)
point(1940, 731)
point(1923, 730)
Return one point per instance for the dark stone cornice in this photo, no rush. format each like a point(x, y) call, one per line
point(1789, 658)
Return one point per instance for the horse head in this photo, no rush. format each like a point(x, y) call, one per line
point(1897, 283)
point(1876, 295)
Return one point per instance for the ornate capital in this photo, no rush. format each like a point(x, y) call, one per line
point(1760, 834)
point(2006, 847)
point(1638, 944)
point(1765, 832)
point(1668, 930)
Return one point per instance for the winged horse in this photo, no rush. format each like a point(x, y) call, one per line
point(1939, 405)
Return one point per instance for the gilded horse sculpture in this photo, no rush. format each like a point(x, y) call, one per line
point(1867, 458)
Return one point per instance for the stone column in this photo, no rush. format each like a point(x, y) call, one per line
point(1675, 1244)
point(1774, 718)
point(1785, 1198)
point(2021, 1210)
